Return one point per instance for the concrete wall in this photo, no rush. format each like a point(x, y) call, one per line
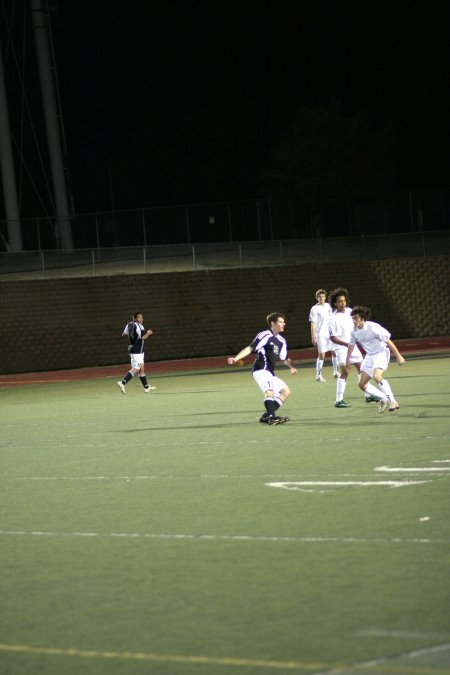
point(73, 323)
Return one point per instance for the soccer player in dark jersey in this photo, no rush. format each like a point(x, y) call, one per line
point(269, 345)
point(137, 335)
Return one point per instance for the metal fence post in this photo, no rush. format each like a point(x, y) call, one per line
point(43, 263)
point(188, 230)
point(144, 252)
point(193, 256)
point(93, 263)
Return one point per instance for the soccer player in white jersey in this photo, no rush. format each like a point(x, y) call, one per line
point(269, 345)
point(319, 319)
point(137, 335)
point(378, 346)
point(341, 326)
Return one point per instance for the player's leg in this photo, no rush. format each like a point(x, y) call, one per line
point(385, 388)
point(341, 382)
point(143, 379)
point(364, 384)
point(319, 361)
point(334, 361)
point(368, 397)
point(126, 378)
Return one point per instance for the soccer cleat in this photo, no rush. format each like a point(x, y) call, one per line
point(341, 404)
point(121, 387)
point(336, 375)
point(149, 388)
point(274, 420)
point(264, 418)
point(284, 420)
point(372, 399)
point(393, 406)
point(319, 378)
point(383, 405)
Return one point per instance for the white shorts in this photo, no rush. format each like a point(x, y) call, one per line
point(266, 381)
point(341, 355)
point(137, 360)
point(380, 361)
point(324, 344)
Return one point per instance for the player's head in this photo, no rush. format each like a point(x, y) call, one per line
point(276, 319)
point(138, 316)
point(321, 292)
point(336, 295)
point(360, 315)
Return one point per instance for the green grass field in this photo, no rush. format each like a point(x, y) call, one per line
point(140, 533)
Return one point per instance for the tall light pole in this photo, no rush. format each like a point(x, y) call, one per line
point(51, 122)
point(7, 170)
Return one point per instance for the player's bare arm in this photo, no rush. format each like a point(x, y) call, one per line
point(147, 334)
point(349, 353)
point(338, 341)
point(232, 360)
point(394, 350)
point(288, 363)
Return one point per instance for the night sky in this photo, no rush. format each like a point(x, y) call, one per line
point(181, 101)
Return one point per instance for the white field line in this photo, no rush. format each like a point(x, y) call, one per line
point(392, 663)
point(411, 469)
point(223, 476)
point(222, 537)
point(408, 634)
point(299, 485)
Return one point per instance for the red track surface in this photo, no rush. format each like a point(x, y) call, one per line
point(434, 345)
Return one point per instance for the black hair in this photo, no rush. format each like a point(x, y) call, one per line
point(336, 293)
point(363, 312)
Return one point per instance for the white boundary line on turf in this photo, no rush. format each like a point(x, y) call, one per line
point(219, 476)
point(224, 537)
point(391, 661)
point(409, 634)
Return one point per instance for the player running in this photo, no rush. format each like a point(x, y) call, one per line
point(378, 346)
point(137, 335)
point(269, 345)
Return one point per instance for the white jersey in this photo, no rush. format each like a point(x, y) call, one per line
point(341, 326)
point(372, 337)
point(321, 315)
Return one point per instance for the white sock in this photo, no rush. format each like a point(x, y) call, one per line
point(340, 388)
point(385, 387)
point(334, 361)
point(373, 391)
point(319, 366)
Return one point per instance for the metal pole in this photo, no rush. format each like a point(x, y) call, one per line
point(188, 231)
point(93, 262)
point(43, 263)
point(193, 255)
point(269, 208)
point(51, 121)
point(7, 168)
point(230, 229)
point(145, 259)
point(258, 219)
point(144, 233)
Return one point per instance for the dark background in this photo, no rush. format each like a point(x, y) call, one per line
point(179, 101)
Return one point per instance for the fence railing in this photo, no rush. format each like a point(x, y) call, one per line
point(184, 257)
point(239, 221)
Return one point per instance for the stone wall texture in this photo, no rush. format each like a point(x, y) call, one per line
point(77, 322)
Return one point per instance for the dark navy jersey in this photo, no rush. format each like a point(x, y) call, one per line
point(135, 331)
point(268, 347)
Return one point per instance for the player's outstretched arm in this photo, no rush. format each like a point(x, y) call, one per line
point(232, 360)
point(288, 363)
point(394, 350)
